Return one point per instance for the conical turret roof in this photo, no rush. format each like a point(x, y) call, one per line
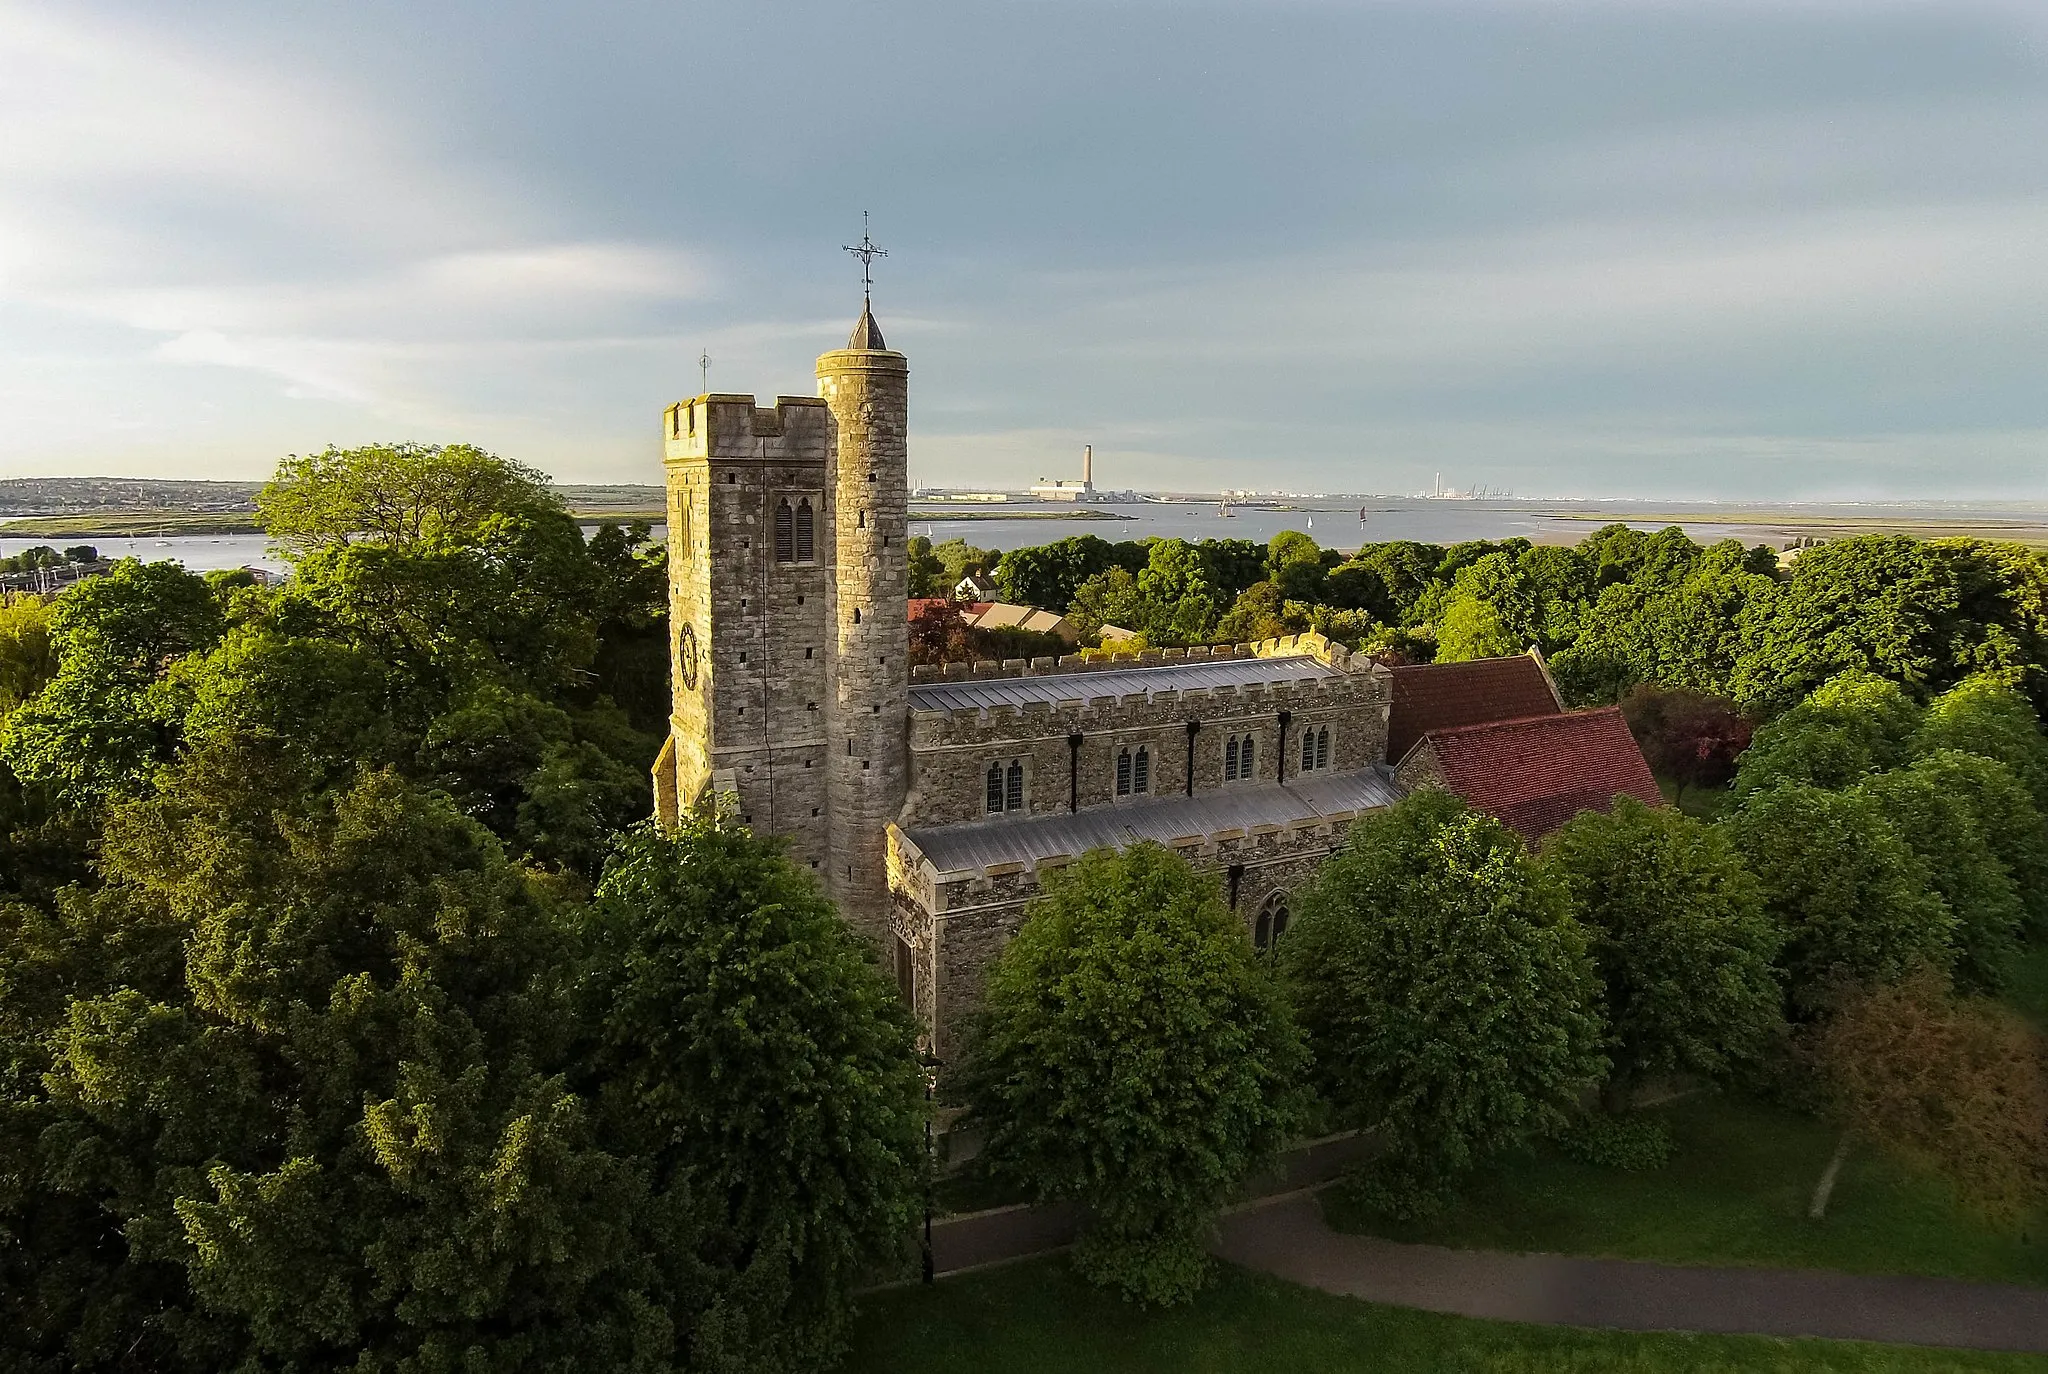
point(866, 334)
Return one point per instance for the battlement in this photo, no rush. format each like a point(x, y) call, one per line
point(1083, 711)
point(726, 426)
point(1310, 643)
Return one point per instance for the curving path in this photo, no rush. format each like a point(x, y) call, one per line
point(1288, 1238)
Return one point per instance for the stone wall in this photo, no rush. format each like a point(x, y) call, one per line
point(975, 917)
point(759, 626)
point(950, 751)
point(1421, 768)
point(868, 696)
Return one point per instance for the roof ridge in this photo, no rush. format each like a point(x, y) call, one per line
point(1540, 717)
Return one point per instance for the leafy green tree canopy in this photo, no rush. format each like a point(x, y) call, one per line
point(403, 495)
point(1851, 726)
point(1135, 1056)
point(1678, 930)
point(1851, 895)
point(1941, 826)
point(1983, 715)
point(743, 1041)
point(1446, 990)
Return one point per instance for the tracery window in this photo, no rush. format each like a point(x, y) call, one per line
point(1005, 787)
point(1271, 922)
point(1240, 758)
point(785, 532)
point(1134, 770)
point(1315, 748)
point(806, 532)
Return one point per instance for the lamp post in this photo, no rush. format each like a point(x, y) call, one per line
point(928, 1064)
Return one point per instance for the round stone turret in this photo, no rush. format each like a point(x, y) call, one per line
point(866, 389)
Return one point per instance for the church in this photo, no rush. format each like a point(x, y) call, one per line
point(931, 803)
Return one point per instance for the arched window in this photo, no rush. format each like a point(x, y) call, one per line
point(785, 533)
point(1308, 750)
point(995, 788)
point(1013, 797)
point(1244, 759)
point(1123, 772)
point(1141, 770)
point(1230, 759)
point(1271, 922)
point(1323, 747)
point(806, 532)
point(685, 546)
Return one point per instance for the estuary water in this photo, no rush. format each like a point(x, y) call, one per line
point(1336, 522)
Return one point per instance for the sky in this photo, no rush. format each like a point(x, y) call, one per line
point(1630, 248)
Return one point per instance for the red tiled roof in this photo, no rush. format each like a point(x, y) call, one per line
point(920, 604)
point(1442, 696)
point(1538, 773)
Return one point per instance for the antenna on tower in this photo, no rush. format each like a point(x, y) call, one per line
point(867, 251)
point(704, 373)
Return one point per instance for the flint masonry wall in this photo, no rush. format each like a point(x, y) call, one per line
point(951, 750)
point(959, 926)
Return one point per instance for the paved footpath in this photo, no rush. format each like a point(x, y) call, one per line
point(1288, 1238)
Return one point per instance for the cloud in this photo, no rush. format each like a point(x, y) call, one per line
point(281, 227)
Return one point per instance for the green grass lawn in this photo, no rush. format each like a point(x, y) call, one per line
point(1702, 803)
point(1038, 1317)
point(1735, 1193)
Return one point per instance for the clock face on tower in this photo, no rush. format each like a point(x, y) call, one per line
point(686, 656)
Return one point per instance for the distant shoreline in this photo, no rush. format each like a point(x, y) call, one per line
point(1051, 513)
point(146, 524)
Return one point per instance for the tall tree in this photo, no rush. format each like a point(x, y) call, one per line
point(1135, 1056)
point(742, 1040)
point(1851, 726)
point(1851, 895)
point(1984, 715)
point(105, 719)
point(400, 495)
point(1941, 827)
point(1446, 991)
point(1678, 930)
point(2005, 816)
point(1924, 614)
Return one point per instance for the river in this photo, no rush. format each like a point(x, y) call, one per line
point(1333, 522)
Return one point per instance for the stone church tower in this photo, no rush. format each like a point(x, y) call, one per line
point(788, 581)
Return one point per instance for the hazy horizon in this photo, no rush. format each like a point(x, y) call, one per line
point(1642, 249)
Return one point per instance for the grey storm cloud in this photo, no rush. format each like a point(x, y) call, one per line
point(1636, 247)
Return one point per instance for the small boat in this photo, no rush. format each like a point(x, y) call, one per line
point(1223, 509)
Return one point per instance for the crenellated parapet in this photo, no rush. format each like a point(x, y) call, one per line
point(725, 426)
point(1310, 644)
point(1083, 711)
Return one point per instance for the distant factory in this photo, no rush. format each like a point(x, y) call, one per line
point(1059, 489)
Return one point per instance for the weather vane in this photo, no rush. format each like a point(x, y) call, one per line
point(704, 371)
point(867, 251)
